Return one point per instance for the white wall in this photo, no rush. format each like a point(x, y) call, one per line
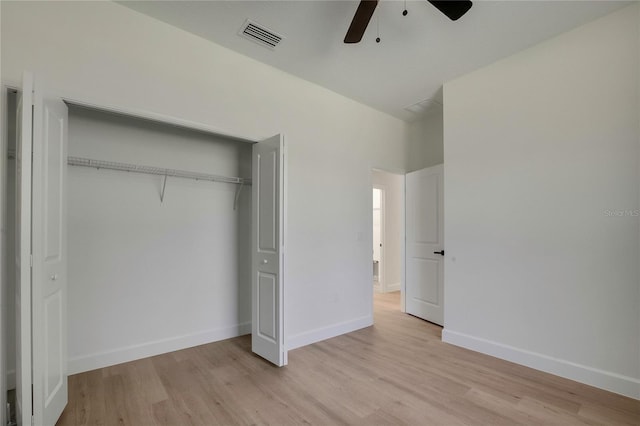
point(539, 147)
point(393, 185)
point(110, 55)
point(425, 141)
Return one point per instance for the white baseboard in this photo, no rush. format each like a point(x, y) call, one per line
point(324, 333)
point(607, 380)
point(11, 379)
point(392, 287)
point(144, 350)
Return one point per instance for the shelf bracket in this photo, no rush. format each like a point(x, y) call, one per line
point(164, 185)
point(237, 197)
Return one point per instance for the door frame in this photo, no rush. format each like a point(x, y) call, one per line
point(397, 172)
point(381, 268)
point(5, 302)
point(403, 243)
point(4, 152)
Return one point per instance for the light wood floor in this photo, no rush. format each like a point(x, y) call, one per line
point(396, 372)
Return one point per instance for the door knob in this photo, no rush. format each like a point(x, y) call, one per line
point(54, 277)
point(265, 261)
point(439, 252)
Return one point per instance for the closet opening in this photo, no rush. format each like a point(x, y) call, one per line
point(134, 237)
point(157, 259)
point(159, 238)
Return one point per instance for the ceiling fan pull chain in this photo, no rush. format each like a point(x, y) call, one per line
point(405, 11)
point(378, 24)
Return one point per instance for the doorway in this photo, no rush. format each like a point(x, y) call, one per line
point(387, 196)
point(378, 237)
point(407, 242)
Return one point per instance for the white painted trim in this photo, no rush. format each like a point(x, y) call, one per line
point(139, 113)
point(11, 85)
point(4, 283)
point(323, 333)
point(403, 247)
point(638, 20)
point(607, 380)
point(155, 117)
point(392, 170)
point(285, 242)
point(130, 353)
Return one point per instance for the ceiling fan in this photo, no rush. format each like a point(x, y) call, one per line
point(453, 9)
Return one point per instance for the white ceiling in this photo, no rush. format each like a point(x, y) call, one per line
point(417, 54)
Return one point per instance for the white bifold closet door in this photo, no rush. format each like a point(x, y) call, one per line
point(41, 256)
point(268, 208)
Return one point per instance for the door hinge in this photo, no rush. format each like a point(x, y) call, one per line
point(31, 260)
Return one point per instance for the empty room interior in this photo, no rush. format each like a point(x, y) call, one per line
point(320, 212)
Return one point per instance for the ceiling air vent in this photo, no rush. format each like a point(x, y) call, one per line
point(423, 106)
point(259, 34)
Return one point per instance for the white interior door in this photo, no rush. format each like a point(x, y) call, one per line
point(24, 120)
point(43, 298)
point(267, 337)
point(49, 250)
point(424, 296)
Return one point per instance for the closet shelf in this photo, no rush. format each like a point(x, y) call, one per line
point(135, 168)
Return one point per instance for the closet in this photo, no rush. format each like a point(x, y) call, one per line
point(175, 237)
point(154, 257)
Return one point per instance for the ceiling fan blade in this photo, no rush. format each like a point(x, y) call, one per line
point(453, 9)
point(360, 21)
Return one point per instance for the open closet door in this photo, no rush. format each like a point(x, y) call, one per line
point(267, 329)
point(43, 297)
point(24, 120)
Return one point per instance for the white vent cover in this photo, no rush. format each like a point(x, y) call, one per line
point(422, 106)
point(257, 33)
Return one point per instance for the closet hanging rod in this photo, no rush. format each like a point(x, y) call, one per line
point(112, 165)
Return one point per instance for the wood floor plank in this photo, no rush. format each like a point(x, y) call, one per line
point(397, 372)
point(164, 413)
point(115, 406)
point(86, 399)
